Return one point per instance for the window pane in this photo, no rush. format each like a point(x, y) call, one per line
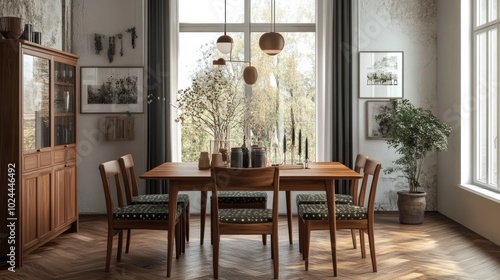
point(493, 113)
point(481, 12)
point(482, 107)
point(493, 10)
point(285, 95)
point(287, 11)
point(196, 54)
point(210, 11)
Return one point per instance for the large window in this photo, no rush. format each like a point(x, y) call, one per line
point(284, 96)
point(486, 25)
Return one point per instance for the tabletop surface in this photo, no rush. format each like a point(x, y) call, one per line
point(190, 171)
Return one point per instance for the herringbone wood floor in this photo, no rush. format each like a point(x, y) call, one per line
point(438, 249)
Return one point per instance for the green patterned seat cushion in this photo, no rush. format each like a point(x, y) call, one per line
point(245, 216)
point(144, 212)
point(343, 212)
point(321, 199)
point(242, 197)
point(182, 199)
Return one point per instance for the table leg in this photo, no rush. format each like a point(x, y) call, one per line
point(330, 197)
point(203, 215)
point(172, 209)
point(289, 214)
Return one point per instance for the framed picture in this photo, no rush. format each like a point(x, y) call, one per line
point(377, 129)
point(112, 89)
point(381, 75)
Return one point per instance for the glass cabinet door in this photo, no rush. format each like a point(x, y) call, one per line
point(36, 103)
point(64, 104)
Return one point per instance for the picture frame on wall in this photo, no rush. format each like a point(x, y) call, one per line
point(112, 90)
point(381, 74)
point(377, 129)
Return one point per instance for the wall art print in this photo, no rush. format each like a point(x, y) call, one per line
point(377, 129)
point(112, 90)
point(381, 75)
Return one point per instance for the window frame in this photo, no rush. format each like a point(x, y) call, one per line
point(476, 96)
point(324, 10)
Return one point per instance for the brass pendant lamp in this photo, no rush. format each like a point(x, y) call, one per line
point(271, 42)
point(225, 42)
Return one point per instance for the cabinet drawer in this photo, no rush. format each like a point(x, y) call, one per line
point(45, 159)
point(59, 156)
point(71, 154)
point(64, 155)
point(38, 160)
point(30, 162)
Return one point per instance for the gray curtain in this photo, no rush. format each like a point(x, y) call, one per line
point(342, 87)
point(158, 83)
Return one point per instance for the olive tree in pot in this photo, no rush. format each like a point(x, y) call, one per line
point(414, 133)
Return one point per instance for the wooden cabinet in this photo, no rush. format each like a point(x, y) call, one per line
point(38, 121)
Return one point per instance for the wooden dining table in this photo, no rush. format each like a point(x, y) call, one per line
point(320, 176)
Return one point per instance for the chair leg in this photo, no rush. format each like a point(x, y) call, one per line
point(362, 241)
point(353, 234)
point(215, 252)
point(301, 237)
point(127, 247)
point(276, 255)
point(264, 239)
point(288, 195)
point(371, 240)
point(120, 245)
point(188, 218)
point(178, 238)
point(182, 229)
point(109, 248)
point(203, 212)
point(307, 241)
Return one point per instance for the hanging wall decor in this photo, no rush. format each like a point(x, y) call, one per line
point(98, 43)
point(133, 34)
point(111, 49)
point(120, 36)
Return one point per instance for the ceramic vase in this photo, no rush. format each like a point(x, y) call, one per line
point(217, 160)
point(204, 161)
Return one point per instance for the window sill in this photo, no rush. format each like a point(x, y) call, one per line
point(491, 195)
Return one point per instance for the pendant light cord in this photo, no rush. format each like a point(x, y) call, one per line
point(274, 16)
point(225, 19)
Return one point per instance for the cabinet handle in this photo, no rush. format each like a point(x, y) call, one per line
point(65, 146)
point(38, 150)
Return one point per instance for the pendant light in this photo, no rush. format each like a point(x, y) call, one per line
point(271, 42)
point(225, 42)
point(250, 73)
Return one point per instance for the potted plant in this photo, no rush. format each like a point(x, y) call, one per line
point(414, 133)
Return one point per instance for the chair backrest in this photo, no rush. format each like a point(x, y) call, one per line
point(359, 164)
point(129, 178)
point(246, 179)
point(371, 171)
point(111, 169)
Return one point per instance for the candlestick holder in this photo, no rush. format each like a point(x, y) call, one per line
point(284, 158)
point(306, 164)
point(292, 153)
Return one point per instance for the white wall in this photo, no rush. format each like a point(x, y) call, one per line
point(107, 17)
point(476, 212)
point(408, 26)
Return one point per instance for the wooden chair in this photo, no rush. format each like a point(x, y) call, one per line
point(241, 200)
point(245, 221)
point(127, 167)
point(315, 216)
point(351, 198)
point(135, 216)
